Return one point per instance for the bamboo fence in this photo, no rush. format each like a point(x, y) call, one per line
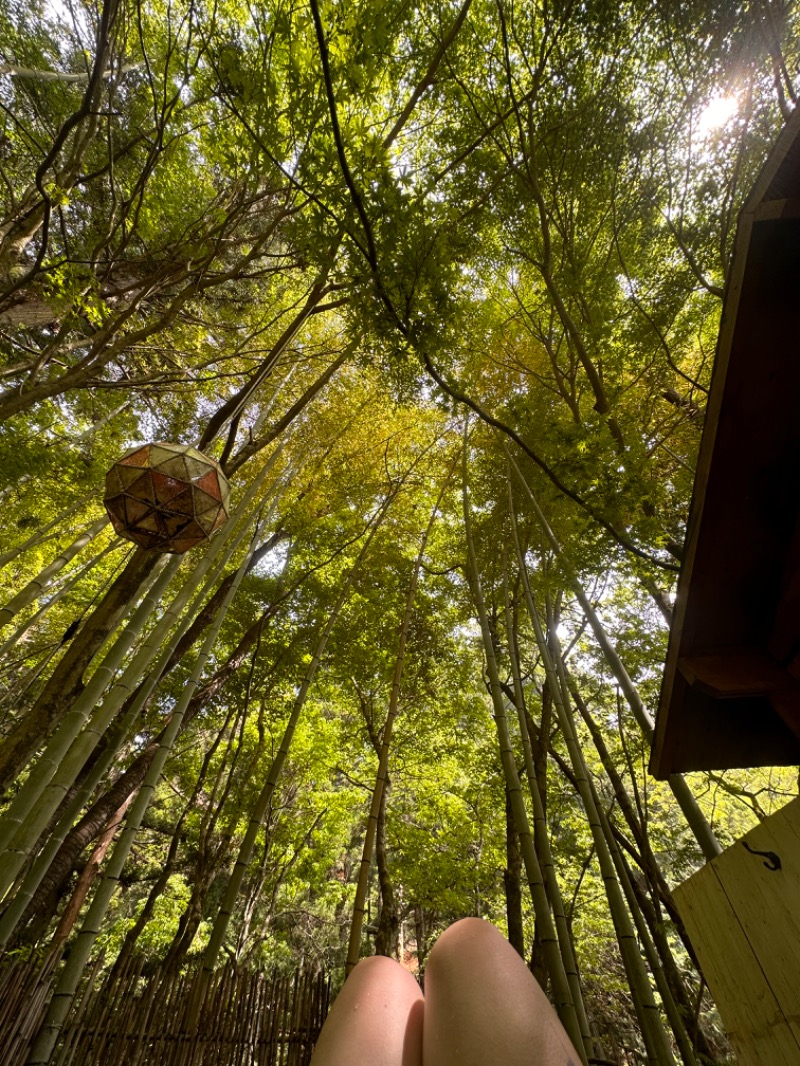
point(167, 1019)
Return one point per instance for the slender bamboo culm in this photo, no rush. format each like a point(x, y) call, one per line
point(561, 986)
point(70, 975)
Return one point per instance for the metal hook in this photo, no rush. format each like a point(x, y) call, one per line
point(774, 862)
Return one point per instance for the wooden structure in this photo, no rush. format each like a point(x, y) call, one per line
point(731, 689)
point(167, 1018)
point(741, 911)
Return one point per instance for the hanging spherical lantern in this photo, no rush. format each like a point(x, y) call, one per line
point(166, 497)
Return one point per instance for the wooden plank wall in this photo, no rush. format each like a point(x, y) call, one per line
point(742, 911)
point(168, 1019)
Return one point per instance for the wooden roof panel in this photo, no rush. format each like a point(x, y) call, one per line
point(731, 694)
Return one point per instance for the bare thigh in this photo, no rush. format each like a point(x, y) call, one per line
point(483, 1007)
point(376, 1019)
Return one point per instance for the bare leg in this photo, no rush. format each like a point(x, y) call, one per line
point(483, 1007)
point(376, 1019)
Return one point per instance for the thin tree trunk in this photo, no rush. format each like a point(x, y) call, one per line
point(354, 945)
point(247, 451)
point(386, 936)
point(541, 830)
point(264, 799)
point(71, 974)
point(37, 585)
point(638, 830)
point(561, 985)
point(234, 406)
point(74, 136)
point(664, 990)
point(708, 843)
point(698, 1041)
point(655, 1038)
point(512, 877)
point(198, 881)
point(205, 616)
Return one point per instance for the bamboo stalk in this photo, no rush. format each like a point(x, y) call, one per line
point(562, 991)
point(637, 827)
point(71, 581)
point(66, 682)
point(542, 835)
point(265, 796)
point(704, 835)
point(82, 946)
point(36, 586)
point(40, 536)
point(354, 944)
point(647, 1012)
point(69, 763)
point(16, 818)
point(159, 644)
point(653, 961)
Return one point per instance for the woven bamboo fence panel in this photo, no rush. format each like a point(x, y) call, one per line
point(168, 1019)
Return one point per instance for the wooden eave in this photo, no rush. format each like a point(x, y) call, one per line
point(730, 694)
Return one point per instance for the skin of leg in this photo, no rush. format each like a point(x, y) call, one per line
point(483, 1007)
point(376, 1020)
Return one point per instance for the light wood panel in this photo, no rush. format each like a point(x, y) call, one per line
point(742, 912)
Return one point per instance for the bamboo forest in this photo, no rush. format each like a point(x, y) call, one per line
point(416, 304)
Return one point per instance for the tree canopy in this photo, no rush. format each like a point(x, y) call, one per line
point(438, 285)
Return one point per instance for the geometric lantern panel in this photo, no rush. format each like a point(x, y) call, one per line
point(166, 497)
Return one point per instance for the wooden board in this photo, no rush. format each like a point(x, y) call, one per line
point(740, 579)
point(743, 916)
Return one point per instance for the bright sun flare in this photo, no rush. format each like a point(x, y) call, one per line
point(717, 112)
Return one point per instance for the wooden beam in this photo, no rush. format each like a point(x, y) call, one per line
point(736, 673)
point(733, 672)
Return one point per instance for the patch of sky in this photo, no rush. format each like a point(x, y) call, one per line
point(402, 167)
point(72, 19)
point(717, 113)
point(274, 562)
point(470, 630)
point(628, 286)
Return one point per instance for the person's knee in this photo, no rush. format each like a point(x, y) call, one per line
point(374, 965)
point(377, 972)
point(377, 1017)
point(469, 929)
point(466, 935)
